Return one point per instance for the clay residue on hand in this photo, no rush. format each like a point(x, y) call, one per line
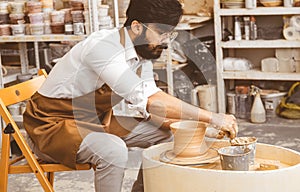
point(242, 140)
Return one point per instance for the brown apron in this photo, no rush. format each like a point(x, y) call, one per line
point(58, 126)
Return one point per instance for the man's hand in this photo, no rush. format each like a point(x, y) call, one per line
point(227, 124)
point(214, 133)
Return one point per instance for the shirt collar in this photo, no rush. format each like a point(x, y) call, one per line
point(130, 52)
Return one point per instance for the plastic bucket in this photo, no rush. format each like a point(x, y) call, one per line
point(271, 101)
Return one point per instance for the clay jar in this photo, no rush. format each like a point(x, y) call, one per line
point(188, 138)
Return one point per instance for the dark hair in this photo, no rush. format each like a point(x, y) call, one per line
point(167, 12)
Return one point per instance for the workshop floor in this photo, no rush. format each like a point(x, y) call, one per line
point(276, 131)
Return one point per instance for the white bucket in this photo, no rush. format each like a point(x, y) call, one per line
point(207, 97)
point(271, 101)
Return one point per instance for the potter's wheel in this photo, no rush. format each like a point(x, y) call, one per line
point(170, 157)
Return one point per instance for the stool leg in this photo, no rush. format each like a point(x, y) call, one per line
point(50, 176)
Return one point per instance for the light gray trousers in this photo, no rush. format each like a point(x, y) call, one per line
point(109, 154)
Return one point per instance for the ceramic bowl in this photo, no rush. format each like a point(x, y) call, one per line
point(234, 5)
point(271, 3)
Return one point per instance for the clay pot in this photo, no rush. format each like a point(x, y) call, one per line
point(16, 7)
point(76, 5)
point(18, 30)
point(77, 16)
point(34, 7)
point(57, 17)
point(58, 28)
point(5, 29)
point(17, 18)
point(36, 18)
point(4, 18)
point(188, 138)
point(37, 29)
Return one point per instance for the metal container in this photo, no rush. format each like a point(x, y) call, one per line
point(234, 158)
point(243, 106)
point(246, 142)
point(78, 28)
point(231, 103)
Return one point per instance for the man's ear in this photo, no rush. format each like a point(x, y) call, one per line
point(136, 27)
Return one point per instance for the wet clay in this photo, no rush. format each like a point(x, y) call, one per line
point(259, 165)
point(242, 140)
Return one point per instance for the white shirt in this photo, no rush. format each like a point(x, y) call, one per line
point(99, 59)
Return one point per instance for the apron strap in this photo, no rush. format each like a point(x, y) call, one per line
point(122, 36)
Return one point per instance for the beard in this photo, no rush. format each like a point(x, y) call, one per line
point(146, 50)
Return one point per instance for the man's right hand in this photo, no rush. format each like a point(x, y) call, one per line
point(227, 124)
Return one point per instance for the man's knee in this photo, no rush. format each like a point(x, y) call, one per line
point(108, 148)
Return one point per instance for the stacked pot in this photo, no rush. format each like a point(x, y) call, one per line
point(105, 20)
point(36, 17)
point(4, 19)
point(77, 16)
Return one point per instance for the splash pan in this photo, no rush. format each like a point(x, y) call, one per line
point(276, 169)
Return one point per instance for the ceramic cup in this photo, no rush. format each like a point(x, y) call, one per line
point(188, 138)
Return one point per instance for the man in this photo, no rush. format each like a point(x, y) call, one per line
point(70, 119)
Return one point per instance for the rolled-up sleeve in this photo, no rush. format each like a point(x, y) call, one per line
point(110, 64)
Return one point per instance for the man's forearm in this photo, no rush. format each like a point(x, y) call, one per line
point(162, 122)
point(166, 106)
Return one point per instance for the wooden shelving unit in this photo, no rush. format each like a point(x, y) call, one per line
point(22, 40)
point(221, 14)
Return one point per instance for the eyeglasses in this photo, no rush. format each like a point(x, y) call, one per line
point(167, 37)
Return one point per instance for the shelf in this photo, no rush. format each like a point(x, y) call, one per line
point(259, 75)
point(279, 43)
point(191, 22)
point(224, 18)
point(13, 77)
point(260, 11)
point(42, 38)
